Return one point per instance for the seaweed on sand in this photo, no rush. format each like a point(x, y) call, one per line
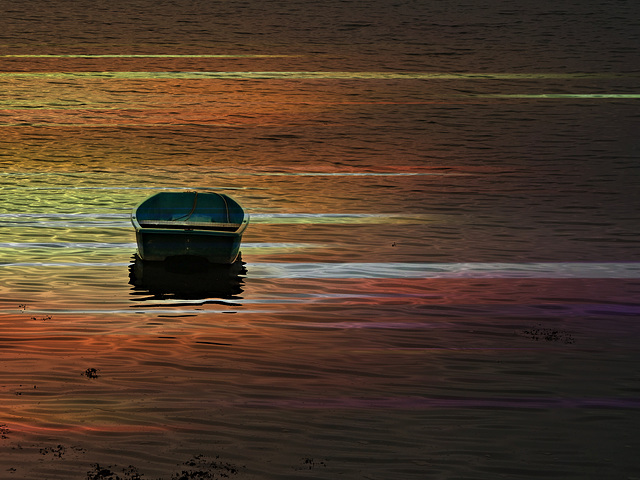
point(197, 468)
point(105, 473)
point(91, 373)
point(201, 469)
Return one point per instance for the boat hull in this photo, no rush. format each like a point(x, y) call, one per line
point(159, 238)
point(158, 245)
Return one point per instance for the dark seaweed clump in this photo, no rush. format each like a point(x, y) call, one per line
point(91, 373)
point(197, 468)
point(311, 463)
point(202, 469)
point(105, 473)
point(549, 334)
point(57, 451)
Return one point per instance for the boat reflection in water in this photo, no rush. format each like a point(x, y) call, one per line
point(186, 277)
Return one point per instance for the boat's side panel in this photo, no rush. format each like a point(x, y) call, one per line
point(158, 245)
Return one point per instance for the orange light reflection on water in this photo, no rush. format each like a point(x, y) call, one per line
point(223, 359)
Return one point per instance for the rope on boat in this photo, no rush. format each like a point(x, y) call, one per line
point(193, 209)
point(226, 206)
point(195, 202)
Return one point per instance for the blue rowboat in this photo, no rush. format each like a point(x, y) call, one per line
point(202, 224)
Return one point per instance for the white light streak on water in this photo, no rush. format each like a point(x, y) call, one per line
point(85, 245)
point(122, 219)
point(629, 270)
point(132, 245)
point(444, 270)
point(564, 95)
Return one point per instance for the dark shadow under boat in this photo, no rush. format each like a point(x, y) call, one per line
point(186, 277)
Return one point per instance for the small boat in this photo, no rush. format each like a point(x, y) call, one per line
point(202, 224)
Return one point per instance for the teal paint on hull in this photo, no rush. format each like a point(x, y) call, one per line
point(158, 245)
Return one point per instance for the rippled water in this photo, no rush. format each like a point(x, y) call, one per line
point(441, 274)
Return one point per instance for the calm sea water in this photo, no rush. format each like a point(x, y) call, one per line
point(442, 270)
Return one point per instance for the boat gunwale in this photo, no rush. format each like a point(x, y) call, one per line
point(187, 230)
point(189, 226)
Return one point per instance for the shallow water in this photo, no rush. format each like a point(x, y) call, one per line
point(441, 273)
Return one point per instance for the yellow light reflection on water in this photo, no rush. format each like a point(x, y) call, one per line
point(301, 75)
point(148, 56)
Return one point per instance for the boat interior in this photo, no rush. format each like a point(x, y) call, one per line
point(191, 210)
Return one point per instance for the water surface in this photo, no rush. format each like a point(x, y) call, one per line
point(441, 273)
